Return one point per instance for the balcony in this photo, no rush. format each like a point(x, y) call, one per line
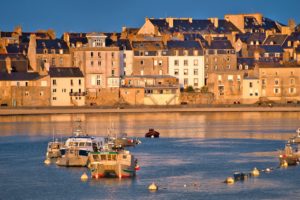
point(78, 94)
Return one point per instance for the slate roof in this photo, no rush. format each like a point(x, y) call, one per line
point(272, 48)
point(56, 44)
point(196, 25)
point(61, 72)
point(147, 45)
point(16, 48)
point(183, 45)
point(277, 39)
point(246, 61)
point(220, 44)
point(124, 44)
point(267, 24)
point(295, 36)
point(6, 34)
point(298, 49)
point(19, 76)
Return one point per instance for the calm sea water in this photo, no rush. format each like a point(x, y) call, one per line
point(194, 155)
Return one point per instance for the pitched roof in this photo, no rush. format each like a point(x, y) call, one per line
point(183, 45)
point(148, 45)
point(55, 44)
point(60, 72)
point(220, 44)
point(272, 48)
point(277, 39)
point(19, 76)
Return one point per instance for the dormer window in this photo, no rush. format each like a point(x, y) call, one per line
point(45, 51)
point(252, 43)
point(53, 51)
point(257, 42)
point(61, 51)
point(289, 43)
point(185, 52)
point(246, 66)
point(195, 52)
point(272, 43)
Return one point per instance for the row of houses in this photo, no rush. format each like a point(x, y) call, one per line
point(242, 58)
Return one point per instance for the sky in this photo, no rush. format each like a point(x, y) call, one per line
point(112, 15)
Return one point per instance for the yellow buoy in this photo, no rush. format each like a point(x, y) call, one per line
point(84, 177)
point(47, 161)
point(229, 180)
point(153, 187)
point(284, 163)
point(255, 172)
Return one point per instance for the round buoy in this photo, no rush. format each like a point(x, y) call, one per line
point(284, 163)
point(255, 172)
point(47, 161)
point(229, 180)
point(84, 177)
point(268, 170)
point(137, 167)
point(153, 187)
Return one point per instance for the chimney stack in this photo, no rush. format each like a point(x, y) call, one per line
point(215, 21)
point(8, 64)
point(169, 20)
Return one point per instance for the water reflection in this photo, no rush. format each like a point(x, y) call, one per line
point(245, 125)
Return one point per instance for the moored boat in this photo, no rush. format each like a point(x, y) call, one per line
point(152, 133)
point(289, 155)
point(53, 149)
point(112, 164)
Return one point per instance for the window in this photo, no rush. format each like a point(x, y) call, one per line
point(277, 55)
point(230, 77)
point(195, 53)
point(92, 63)
point(195, 82)
point(185, 81)
point(146, 53)
point(26, 93)
point(216, 67)
point(92, 54)
point(276, 90)
point(64, 90)
point(112, 54)
point(142, 62)
point(45, 51)
point(185, 72)
point(176, 72)
point(160, 63)
point(142, 72)
point(61, 61)
point(98, 80)
point(195, 62)
point(176, 62)
point(155, 63)
point(113, 72)
point(292, 73)
point(185, 62)
point(185, 52)
point(99, 55)
point(99, 63)
point(42, 93)
point(219, 77)
point(292, 90)
point(263, 81)
point(54, 82)
point(266, 55)
point(54, 90)
point(26, 84)
point(79, 82)
point(176, 52)
point(292, 81)
point(195, 71)
point(250, 84)
point(160, 72)
point(52, 61)
point(54, 98)
point(276, 82)
point(238, 77)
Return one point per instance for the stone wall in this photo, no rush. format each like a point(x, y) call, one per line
point(196, 98)
point(103, 97)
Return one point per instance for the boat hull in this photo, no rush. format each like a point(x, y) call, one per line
point(118, 170)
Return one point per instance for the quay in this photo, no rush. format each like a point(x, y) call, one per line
point(90, 110)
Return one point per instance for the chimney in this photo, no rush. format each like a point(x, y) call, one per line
point(215, 21)
point(170, 21)
point(32, 52)
point(292, 24)
point(8, 64)
point(191, 20)
point(124, 29)
point(67, 38)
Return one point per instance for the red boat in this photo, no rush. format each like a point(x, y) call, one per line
point(152, 133)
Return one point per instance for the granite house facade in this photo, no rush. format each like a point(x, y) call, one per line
point(243, 58)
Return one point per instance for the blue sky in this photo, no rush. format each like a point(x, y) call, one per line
point(111, 15)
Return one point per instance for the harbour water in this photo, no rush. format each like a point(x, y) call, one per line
point(195, 154)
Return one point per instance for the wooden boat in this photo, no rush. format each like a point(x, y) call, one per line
point(152, 133)
point(112, 164)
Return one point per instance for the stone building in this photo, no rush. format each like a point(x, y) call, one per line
point(150, 58)
point(251, 90)
point(150, 90)
point(67, 86)
point(45, 53)
point(186, 62)
point(280, 83)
